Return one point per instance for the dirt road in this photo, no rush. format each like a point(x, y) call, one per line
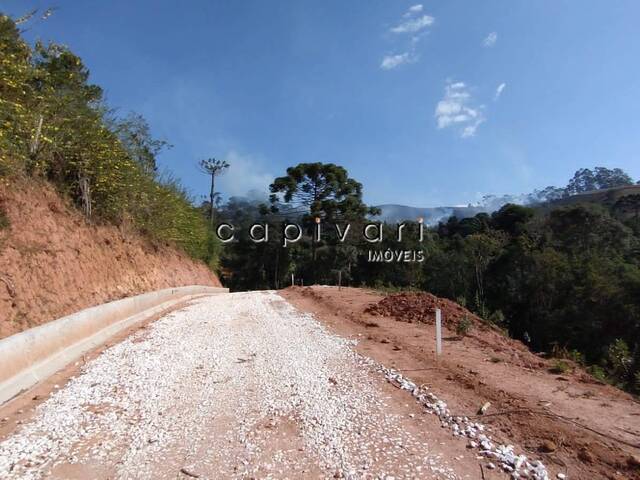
point(232, 386)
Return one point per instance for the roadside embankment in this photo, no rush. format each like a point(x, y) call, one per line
point(54, 263)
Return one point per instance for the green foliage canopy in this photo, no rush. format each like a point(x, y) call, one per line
point(55, 125)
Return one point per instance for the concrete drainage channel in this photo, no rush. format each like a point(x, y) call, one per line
point(35, 354)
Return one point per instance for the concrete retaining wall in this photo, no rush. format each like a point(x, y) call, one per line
point(30, 356)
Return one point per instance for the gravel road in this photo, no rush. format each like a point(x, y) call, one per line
point(232, 386)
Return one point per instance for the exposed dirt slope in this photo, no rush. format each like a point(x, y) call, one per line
point(53, 263)
point(575, 424)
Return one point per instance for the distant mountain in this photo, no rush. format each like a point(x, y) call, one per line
point(432, 215)
point(392, 213)
point(606, 196)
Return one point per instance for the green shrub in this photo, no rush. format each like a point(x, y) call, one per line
point(464, 326)
point(563, 352)
point(560, 366)
point(598, 372)
point(619, 360)
point(497, 318)
point(576, 356)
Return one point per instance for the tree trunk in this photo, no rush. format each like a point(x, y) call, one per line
point(213, 179)
point(36, 140)
point(85, 195)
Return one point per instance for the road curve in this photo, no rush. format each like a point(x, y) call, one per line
point(232, 386)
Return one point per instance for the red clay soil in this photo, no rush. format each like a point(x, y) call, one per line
point(420, 307)
point(573, 423)
point(53, 263)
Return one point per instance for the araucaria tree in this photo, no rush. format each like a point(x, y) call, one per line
point(321, 190)
point(212, 167)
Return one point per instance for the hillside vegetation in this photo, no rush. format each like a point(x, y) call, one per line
point(565, 279)
point(55, 125)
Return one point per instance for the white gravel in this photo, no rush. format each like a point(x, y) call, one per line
point(233, 386)
point(518, 466)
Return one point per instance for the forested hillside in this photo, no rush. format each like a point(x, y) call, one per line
point(564, 279)
point(55, 125)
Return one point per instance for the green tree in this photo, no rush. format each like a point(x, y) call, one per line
point(213, 168)
point(482, 249)
point(16, 98)
point(134, 133)
point(585, 180)
point(321, 189)
point(512, 218)
point(54, 125)
point(587, 227)
point(315, 191)
point(629, 205)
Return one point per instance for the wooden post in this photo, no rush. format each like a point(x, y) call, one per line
point(438, 332)
point(292, 280)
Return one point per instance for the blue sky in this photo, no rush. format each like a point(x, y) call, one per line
point(403, 94)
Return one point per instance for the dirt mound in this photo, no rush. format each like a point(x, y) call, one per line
point(53, 263)
point(420, 307)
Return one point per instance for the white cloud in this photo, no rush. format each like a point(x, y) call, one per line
point(499, 90)
point(470, 130)
point(413, 10)
point(490, 40)
point(456, 109)
point(389, 62)
point(244, 175)
point(414, 25)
